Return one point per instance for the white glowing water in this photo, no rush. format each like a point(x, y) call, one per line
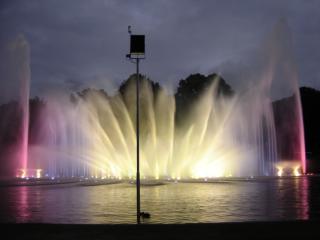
point(96, 136)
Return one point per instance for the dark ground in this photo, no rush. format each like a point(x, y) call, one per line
point(249, 230)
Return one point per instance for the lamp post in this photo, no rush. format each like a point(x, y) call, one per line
point(137, 52)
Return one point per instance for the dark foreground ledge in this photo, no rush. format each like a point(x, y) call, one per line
point(248, 230)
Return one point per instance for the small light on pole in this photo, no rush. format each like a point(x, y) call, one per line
point(137, 52)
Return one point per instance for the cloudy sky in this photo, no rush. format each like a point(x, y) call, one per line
point(81, 43)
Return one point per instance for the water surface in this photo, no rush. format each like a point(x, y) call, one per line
point(258, 200)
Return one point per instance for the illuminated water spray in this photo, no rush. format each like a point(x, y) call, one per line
point(94, 134)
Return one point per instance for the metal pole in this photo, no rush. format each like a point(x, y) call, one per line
point(138, 142)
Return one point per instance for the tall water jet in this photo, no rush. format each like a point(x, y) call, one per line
point(288, 111)
point(24, 76)
point(15, 114)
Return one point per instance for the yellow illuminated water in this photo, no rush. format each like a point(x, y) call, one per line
point(95, 137)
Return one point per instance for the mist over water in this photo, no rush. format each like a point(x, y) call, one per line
point(93, 134)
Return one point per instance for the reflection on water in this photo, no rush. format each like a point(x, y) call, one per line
point(293, 198)
point(260, 200)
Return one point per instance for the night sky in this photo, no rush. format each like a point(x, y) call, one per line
point(80, 43)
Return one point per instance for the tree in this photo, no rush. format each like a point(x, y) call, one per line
point(192, 88)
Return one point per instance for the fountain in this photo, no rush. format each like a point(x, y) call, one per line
point(92, 135)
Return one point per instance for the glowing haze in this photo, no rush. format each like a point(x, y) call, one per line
point(93, 135)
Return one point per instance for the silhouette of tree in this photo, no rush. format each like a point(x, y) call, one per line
point(10, 119)
point(36, 109)
point(91, 92)
point(191, 88)
point(310, 100)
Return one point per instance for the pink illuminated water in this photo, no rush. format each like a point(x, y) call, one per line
point(24, 75)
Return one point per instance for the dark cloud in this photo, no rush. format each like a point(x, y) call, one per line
point(79, 43)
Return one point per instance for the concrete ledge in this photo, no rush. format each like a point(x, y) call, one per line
point(246, 230)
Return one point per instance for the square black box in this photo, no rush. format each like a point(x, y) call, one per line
point(137, 45)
